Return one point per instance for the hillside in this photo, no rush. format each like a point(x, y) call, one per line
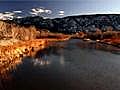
point(73, 24)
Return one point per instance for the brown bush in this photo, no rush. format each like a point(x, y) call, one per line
point(17, 32)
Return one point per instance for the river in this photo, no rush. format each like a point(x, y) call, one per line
point(68, 65)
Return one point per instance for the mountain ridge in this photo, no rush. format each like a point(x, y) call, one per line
point(73, 24)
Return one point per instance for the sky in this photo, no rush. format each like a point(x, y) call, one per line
point(62, 8)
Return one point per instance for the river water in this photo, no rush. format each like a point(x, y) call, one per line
point(69, 65)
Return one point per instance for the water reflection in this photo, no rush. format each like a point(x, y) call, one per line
point(42, 57)
point(40, 62)
point(62, 61)
point(98, 46)
point(5, 73)
point(59, 56)
point(11, 58)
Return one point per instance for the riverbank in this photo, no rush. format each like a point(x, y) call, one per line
point(13, 50)
point(13, 47)
point(112, 41)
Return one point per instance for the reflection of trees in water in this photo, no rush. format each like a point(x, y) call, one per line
point(41, 57)
point(8, 65)
point(47, 51)
point(11, 56)
point(5, 73)
point(41, 62)
point(5, 81)
point(98, 46)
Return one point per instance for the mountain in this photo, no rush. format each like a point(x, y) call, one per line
point(73, 24)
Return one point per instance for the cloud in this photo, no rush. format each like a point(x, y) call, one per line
point(99, 12)
point(7, 16)
point(61, 13)
point(48, 11)
point(33, 13)
point(8, 13)
point(17, 11)
point(19, 17)
point(40, 10)
point(36, 11)
point(46, 17)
